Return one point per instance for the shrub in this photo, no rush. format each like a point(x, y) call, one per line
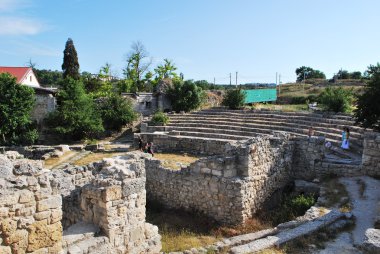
point(336, 99)
point(185, 96)
point(234, 98)
point(298, 100)
point(367, 113)
point(160, 118)
point(76, 117)
point(116, 112)
point(16, 104)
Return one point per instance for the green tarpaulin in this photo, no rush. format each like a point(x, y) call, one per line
point(260, 95)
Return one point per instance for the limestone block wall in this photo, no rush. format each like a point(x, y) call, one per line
point(307, 158)
point(30, 209)
point(174, 143)
point(230, 187)
point(45, 103)
point(371, 154)
point(69, 183)
point(115, 201)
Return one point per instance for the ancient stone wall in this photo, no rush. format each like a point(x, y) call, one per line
point(69, 183)
point(170, 143)
point(115, 201)
point(307, 158)
point(30, 209)
point(371, 154)
point(232, 186)
point(45, 103)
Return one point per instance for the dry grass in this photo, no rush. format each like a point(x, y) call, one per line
point(285, 107)
point(92, 157)
point(175, 161)
point(335, 192)
point(52, 162)
point(272, 251)
point(181, 230)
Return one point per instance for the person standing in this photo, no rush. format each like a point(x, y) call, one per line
point(345, 138)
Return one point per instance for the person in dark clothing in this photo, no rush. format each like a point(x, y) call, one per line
point(140, 144)
point(150, 149)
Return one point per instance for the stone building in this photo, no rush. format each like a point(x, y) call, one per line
point(147, 103)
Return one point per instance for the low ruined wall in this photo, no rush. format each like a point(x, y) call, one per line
point(371, 154)
point(69, 183)
point(44, 104)
point(30, 209)
point(307, 158)
point(173, 144)
point(230, 187)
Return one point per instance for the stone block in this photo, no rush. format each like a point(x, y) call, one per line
point(26, 197)
point(5, 250)
point(216, 172)
point(50, 203)
point(205, 170)
point(42, 215)
point(111, 193)
point(42, 235)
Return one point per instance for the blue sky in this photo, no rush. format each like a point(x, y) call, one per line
point(204, 38)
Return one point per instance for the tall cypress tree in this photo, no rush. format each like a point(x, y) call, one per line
point(70, 64)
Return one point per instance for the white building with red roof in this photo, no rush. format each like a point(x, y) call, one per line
point(24, 75)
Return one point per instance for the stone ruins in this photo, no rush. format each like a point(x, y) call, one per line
point(246, 156)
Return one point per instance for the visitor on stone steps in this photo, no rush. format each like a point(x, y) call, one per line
point(345, 138)
point(150, 148)
point(140, 144)
point(311, 132)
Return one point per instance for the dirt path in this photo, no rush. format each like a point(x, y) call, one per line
point(364, 194)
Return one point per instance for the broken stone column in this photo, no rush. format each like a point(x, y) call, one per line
point(115, 201)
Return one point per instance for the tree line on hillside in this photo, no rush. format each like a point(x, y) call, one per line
point(303, 73)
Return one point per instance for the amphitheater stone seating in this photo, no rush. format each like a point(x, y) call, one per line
point(224, 124)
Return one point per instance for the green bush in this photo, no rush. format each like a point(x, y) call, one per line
point(116, 112)
point(76, 117)
point(16, 104)
point(234, 98)
point(160, 118)
point(185, 96)
point(298, 100)
point(336, 99)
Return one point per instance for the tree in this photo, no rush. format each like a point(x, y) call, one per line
point(70, 64)
point(116, 112)
point(16, 104)
point(304, 72)
point(372, 70)
point(336, 99)
point(166, 70)
point(185, 96)
point(137, 65)
point(48, 78)
point(76, 117)
point(343, 74)
point(234, 98)
point(367, 113)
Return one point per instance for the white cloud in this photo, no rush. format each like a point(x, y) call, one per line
point(20, 26)
point(11, 5)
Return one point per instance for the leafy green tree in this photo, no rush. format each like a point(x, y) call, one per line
point(234, 98)
point(166, 70)
point(116, 112)
point(356, 75)
point(16, 104)
point(205, 85)
point(336, 99)
point(367, 113)
point(70, 64)
point(48, 78)
point(372, 70)
point(185, 96)
point(160, 118)
point(343, 74)
point(137, 65)
point(304, 72)
point(76, 117)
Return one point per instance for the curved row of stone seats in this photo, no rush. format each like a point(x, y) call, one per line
point(253, 122)
point(333, 133)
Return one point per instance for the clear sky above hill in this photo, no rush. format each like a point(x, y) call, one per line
point(204, 38)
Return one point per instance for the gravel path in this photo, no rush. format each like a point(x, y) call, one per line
point(364, 194)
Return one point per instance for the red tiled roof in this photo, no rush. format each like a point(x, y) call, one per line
point(18, 72)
